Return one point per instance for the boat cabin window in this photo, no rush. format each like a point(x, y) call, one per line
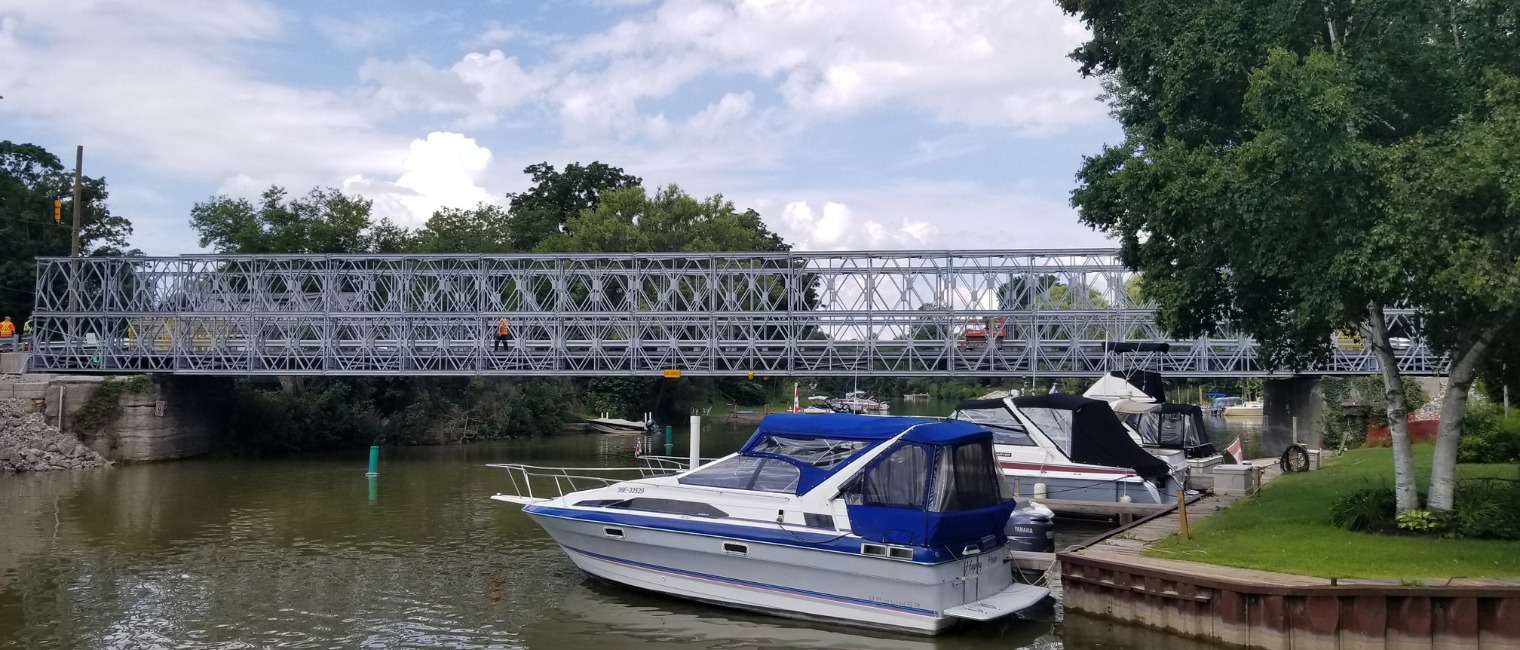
point(748, 473)
point(820, 453)
point(666, 506)
point(1006, 429)
point(898, 480)
point(1054, 423)
point(966, 477)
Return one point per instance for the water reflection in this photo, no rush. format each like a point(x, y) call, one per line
point(305, 552)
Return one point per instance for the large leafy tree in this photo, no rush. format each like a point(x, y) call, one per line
point(555, 197)
point(629, 219)
point(31, 178)
point(1270, 147)
point(324, 221)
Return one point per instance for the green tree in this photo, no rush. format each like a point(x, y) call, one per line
point(30, 180)
point(542, 211)
point(324, 221)
point(628, 219)
point(482, 229)
point(1262, 182)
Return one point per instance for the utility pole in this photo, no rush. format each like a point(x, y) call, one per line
point(78, 197)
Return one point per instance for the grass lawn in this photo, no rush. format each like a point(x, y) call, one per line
point(1287, 528)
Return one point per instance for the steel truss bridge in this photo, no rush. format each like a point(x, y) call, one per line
point(1039, 313)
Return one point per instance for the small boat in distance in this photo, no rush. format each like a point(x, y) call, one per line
point(605, 424)
point(856, 401)
point(886, 522)
point(1235, 407)
point(1247, 409)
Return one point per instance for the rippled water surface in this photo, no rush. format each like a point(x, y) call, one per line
point(301, 553)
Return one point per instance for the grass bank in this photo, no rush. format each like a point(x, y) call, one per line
point(1287, 528)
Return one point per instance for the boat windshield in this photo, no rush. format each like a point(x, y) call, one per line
point(1006, 429)
point(747, 473)
point(818, 452)
point(1054, 423)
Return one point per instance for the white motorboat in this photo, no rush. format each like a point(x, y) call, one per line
point(887, 522)
point(605, 424)
point(1066, 447)
point(1244, 409)
point(856, 401)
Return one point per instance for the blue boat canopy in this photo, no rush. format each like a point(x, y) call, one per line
point(939, 484)
point(844, 426)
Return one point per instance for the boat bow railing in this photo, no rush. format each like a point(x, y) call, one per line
point(533, 483)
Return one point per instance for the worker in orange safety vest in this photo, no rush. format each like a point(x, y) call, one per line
point(501, 335)
point(8, 333)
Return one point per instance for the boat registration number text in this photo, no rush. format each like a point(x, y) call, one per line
point(630, 490)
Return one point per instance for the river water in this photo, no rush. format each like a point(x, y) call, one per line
point(304, 553)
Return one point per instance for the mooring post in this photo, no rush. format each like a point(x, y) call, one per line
point(670, 447)
point(696, 441)
point(374, 461)
point(1182, 514)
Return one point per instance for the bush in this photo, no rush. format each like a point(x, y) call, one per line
point(1489, 435)
point(1369, 510)
point(1486, 508)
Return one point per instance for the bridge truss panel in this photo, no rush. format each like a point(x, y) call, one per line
point(1029, 313)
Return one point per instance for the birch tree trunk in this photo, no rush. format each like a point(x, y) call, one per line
point(1443, 467)
point(1404, 488)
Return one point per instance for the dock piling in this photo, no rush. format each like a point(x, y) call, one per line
point(696, 441)
point(1182, 515)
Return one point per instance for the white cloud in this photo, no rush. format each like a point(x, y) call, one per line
point(978, 62)
point(839, 229)
point(441, 171)
point(718, 95)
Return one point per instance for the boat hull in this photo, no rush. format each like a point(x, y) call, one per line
point(783, 580)
point(1088, 488)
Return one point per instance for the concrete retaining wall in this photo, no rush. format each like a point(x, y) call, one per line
point(175, 418)
point(1462, 613)
point(1285, 399)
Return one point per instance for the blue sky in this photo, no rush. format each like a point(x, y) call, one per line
point(848, 125)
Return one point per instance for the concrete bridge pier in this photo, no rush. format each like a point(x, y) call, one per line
point(1285, 399)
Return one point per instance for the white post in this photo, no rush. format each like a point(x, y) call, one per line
point(1295, 429)
point(696, 441)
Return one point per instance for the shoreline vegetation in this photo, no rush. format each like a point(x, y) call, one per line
point(1287, 528)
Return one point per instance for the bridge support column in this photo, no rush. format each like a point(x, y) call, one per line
point(1285, 399)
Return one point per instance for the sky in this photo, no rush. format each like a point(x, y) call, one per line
point(849, 125)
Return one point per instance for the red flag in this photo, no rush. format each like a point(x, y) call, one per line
point(1235, 451)
point(796, 405)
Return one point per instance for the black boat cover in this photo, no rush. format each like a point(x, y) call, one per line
point(1086, 429)
point(1176, 426)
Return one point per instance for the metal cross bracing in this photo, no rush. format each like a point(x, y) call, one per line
point(1043, 313)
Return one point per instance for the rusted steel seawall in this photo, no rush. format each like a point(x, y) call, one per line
point(1364, 615)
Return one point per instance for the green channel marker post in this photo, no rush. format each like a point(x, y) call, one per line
point(374, 461)
point(374, 489)
point(670, 447)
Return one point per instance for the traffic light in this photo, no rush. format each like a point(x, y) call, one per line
point(57, 211)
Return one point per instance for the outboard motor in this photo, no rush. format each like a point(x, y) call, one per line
point(1031, 530)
